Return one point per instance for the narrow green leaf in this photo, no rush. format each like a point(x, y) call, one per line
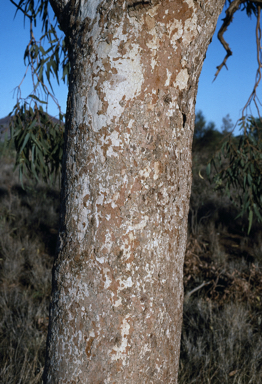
point(25, 141)
point(257, 212)
point(250, 220)
point(37, 99)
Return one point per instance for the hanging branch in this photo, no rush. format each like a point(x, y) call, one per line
point(42, 62)
point(253, 97)
point(234, 6)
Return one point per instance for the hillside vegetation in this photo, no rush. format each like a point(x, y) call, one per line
point(221, 339)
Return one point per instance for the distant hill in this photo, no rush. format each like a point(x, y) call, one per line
point(4, 125)
point(5, 120)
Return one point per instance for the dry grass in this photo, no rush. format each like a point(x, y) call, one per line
point(28, 227)
point(219, 344)
point(222, 325)
point(221, 338)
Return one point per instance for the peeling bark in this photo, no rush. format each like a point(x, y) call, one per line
point(117, 297)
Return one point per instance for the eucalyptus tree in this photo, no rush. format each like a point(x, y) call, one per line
point(117, 296)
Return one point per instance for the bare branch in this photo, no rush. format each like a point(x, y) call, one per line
point(234, 6)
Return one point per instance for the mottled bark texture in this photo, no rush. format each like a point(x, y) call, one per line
point(117, 296)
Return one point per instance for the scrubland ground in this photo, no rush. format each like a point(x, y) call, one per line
point(28, 231)
point(222, 327)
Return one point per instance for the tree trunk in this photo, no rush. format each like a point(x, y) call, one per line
point(117, 297)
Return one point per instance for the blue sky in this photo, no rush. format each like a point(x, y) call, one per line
point(228, 94)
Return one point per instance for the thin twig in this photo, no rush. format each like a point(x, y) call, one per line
point(196, 289)
point(234, 6)
point(21, 9)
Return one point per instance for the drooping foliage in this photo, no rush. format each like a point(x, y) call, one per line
point(38, 142)
point(38, 139)
point(48, 56)
point(237, 169)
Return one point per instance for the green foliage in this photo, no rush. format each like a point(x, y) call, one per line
point(201, 126)
point(38, 142)
point(238, 170)
point(227, 125)
point(47, 57)
point(48, 61)
point(206, 136)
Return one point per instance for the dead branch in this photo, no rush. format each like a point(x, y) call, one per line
point(234, 6)
point(196, 289)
